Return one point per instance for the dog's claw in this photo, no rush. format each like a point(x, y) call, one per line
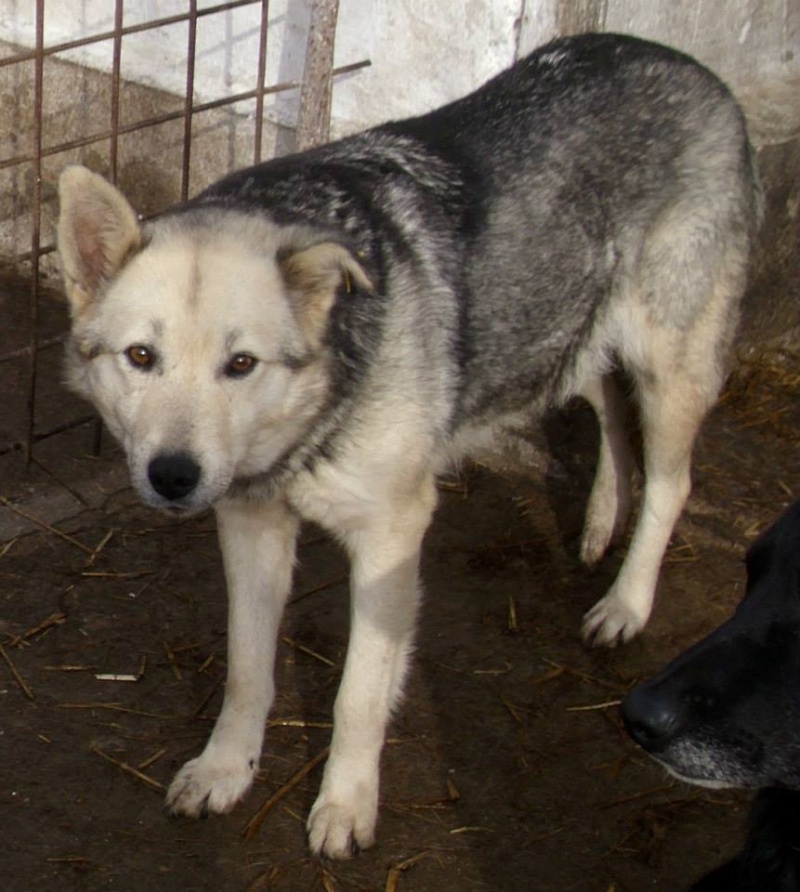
point(611, 622)
point(203, 787)
point(339, 831)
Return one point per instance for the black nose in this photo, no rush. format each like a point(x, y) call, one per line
point(651, 718)
point(173, 476)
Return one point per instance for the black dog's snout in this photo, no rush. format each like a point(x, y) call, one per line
point(650, 718)
point(173, 476)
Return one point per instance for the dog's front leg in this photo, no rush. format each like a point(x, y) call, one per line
point(385, 594)
point(258, 546)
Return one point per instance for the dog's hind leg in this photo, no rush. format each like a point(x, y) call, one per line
point(678, 378)
point(670, 419)
point(610, 501)
point(258, 545)
point(671, 324)
point(385, 594)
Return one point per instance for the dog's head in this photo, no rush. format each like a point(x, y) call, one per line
point(726, 713)
point(200, 337)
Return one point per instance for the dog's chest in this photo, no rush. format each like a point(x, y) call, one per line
point(335, 498)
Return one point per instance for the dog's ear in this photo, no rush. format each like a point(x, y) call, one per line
point(315, 275)
point(97, 231)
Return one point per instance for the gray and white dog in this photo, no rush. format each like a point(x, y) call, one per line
point(318, 336)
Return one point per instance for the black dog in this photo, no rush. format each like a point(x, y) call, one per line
point(726, 713)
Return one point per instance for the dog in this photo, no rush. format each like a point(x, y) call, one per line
point(319, 336)
point(726, 713)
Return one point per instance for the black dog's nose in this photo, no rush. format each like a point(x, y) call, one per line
point(650, 718)
point(173, 476)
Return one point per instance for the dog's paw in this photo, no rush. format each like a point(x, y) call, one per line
point(594, 543)
point(340, 829)
point(205, 786)
point(605, 524)
point(612, 620)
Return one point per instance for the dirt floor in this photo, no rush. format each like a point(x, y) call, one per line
point(507, 768)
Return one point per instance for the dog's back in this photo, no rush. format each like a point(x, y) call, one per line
point(632, 178)
point(597, 167)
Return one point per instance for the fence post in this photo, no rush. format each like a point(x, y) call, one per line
point(314, 117)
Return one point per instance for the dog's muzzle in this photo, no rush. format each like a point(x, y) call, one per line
point(174, 477)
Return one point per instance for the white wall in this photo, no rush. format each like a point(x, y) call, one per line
point(742, 40)
point(423, 53)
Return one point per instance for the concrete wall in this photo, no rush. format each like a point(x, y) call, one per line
point(422, 53)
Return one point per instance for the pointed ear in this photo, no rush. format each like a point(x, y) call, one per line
point(97, 231)
point(315, 275)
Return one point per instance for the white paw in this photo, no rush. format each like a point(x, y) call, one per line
point(611, 620)
point(206, 785)
point(343, 827)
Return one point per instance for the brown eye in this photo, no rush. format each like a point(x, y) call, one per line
point(240, 364)
point(140, 356)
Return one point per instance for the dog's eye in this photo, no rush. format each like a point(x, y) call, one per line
point(140, 357)
point(240, 364)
